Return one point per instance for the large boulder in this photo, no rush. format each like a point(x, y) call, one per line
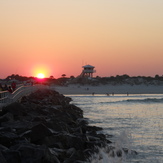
point(39, 132)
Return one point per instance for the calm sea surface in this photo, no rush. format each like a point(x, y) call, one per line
point(135, 121)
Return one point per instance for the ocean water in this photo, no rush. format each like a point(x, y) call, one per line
point(135, 121)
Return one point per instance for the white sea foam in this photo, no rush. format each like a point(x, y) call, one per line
point(111, 154)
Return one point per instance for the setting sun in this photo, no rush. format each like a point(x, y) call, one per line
point(40, 71)
point(40, 75)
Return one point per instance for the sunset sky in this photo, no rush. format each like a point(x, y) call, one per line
point(58, 37)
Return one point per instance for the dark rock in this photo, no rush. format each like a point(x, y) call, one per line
point(50, 157)
point(3, 147)
point(26, 134)
point(45, 128)
point(67, 141)
point(12, 156)
point(39, 132)
point(70, 152)
point(39, 119)
point(5, 129)
point(6, 117)
point(82, 121)
point(16, 109)
point(2, 158)
point(17, 126)
point(8, 139)
point(31, 153)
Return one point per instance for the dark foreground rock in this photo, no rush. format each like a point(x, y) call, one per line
point(45, 128)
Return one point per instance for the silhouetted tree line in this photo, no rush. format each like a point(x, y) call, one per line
point(118, 79)
point(126, 79)
point(121, 79)
point(50, 80)
point(18, 77)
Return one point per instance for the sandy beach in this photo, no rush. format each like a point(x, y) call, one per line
point(109, 89)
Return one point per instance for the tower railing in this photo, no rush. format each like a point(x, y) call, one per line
point(7, 98)
point(89, 71)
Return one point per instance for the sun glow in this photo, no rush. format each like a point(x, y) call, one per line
point(40, 75)
point(40, 71)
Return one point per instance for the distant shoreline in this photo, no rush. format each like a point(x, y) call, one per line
point(109, 89)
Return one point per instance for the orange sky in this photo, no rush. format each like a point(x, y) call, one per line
point(60, 36)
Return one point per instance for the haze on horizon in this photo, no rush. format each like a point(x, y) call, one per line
point(60, 36)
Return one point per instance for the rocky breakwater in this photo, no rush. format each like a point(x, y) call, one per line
point(45, 128)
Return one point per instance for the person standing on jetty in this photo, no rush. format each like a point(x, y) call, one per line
point(10, 89)
point(13, 85)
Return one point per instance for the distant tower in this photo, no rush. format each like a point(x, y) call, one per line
point(88, 71)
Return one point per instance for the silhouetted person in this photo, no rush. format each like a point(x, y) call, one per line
point(13, 85)
point(10, 89)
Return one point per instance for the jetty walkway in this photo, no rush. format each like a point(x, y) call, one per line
point(7, 98)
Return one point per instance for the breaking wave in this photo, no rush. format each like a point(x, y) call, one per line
point(146, 100)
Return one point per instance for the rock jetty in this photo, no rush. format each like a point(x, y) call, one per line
point(45, 128)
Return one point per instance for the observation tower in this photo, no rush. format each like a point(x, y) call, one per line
point(88, 71)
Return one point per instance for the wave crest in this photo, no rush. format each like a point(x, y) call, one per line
point(146, 100)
